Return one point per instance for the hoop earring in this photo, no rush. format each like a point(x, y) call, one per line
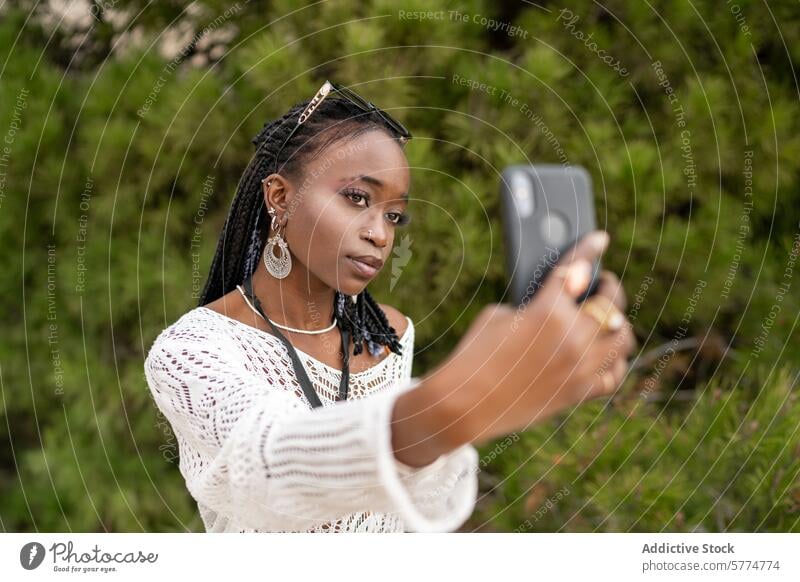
point(279, 266)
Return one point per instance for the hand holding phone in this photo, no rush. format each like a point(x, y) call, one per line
point(514, 367)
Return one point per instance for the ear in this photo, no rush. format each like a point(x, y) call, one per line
point(277, 195)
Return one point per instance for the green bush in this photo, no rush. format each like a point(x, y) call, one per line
point(727, 461)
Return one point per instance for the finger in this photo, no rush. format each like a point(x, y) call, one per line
point(570, 280)
point(589, 247)
point(572, 273)
point(617, 344)
point(606, 381)
point(610, 286)
point(617, 372)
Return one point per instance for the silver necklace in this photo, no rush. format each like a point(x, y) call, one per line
point(313, 332)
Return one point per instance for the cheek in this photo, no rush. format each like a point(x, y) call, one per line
point(320, 235)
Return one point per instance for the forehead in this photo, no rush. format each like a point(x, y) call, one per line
point(373, 154)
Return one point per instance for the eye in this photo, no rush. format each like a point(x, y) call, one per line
point(353, 195)
point(399, 218)
point(356, 196)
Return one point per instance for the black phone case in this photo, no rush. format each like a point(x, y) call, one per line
point(546, 209)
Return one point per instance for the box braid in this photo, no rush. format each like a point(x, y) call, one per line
point(247, 226)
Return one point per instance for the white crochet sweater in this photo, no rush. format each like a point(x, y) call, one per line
point(257, 457)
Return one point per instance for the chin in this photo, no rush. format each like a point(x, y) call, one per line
point(348, 286)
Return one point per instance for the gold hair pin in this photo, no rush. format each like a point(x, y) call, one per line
point(321, 94)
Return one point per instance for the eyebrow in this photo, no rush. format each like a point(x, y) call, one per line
point(374, 181)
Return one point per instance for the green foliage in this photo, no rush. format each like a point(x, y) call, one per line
point(121, 152)
point(728, 461)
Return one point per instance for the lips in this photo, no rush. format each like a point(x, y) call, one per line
point(373, 262)
point(366, 265)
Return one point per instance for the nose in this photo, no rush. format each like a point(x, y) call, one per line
point(376, 231)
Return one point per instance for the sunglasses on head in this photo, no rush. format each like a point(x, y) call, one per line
point(341, 92)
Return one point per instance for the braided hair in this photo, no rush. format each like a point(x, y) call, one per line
point(247, 226)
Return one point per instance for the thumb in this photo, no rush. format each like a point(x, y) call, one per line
point(589, 247)
point(572, 279)
point(573, 272)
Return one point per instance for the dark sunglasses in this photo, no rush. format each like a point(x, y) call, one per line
point(341, 92)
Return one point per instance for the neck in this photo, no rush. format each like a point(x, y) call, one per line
point(301, 300)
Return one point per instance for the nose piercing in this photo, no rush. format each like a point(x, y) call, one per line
point(369, 234)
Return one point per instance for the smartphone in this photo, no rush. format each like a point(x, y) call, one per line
point(546, 209)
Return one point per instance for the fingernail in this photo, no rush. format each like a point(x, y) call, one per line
point(600, 240)
point(578, 276)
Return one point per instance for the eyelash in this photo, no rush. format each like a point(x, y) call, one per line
point(403, 218)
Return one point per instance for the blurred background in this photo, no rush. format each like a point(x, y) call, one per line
point(125, 125)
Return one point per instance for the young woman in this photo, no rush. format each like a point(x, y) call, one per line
point(289, 388)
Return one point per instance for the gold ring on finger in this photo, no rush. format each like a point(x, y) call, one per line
point(604, 312)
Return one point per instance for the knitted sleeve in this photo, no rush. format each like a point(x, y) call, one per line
point(256, 453)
